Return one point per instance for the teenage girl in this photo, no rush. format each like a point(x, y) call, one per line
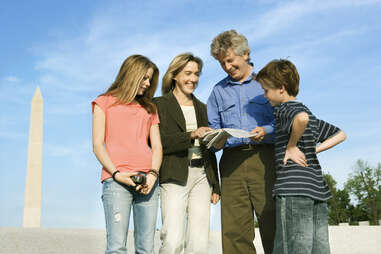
point(126, 141)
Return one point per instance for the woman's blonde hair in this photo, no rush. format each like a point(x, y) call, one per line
point(128, 80)
point(229, 39)
point(175, 67)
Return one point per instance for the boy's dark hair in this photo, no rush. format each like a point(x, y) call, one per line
point(280, 72)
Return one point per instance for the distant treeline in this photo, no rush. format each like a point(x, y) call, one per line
point(364, 186)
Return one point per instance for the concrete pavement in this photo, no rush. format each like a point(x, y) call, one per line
point(343, 239)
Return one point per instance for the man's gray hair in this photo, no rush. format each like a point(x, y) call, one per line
point(229, 39)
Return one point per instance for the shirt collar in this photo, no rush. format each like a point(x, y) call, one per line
point(278, 109)
point(231, 81)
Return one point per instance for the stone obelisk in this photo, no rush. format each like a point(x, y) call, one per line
point(32, 202)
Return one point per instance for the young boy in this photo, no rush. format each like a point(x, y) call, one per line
point(300, 191)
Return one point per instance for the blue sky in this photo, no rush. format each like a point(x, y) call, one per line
point(73, 51)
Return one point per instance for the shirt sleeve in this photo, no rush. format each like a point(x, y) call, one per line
point(288, 117)
point(326, 130)
point(214, 117)
point(101, 102)
point(270, 115)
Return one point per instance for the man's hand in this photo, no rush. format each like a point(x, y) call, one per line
point(150, 182)
point(214, 198)
point(261, 132)
point(293, 153)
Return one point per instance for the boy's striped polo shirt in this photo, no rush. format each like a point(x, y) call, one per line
point(293, 179)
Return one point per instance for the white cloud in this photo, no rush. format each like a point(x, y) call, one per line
point(90, 61)
point(12, 135)
point(12, 79)
point(54, 150)
point(295, 14)
point(68, 150)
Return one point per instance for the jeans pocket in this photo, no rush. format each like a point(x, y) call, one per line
point(110, 188)
point(302, 222)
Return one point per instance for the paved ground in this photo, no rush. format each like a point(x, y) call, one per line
point(347, 240)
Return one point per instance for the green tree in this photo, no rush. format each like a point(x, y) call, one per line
point(365, 184)
point(357, 213)
point(343, 199)
point(338, 205)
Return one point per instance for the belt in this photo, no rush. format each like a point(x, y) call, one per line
point(196, 163)
point(249, 147)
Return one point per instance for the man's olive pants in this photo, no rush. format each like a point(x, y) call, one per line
point(247, 181)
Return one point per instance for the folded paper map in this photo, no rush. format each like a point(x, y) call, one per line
point(214, 136)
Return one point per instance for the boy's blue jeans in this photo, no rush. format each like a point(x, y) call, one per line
point(117, 201)
point(301, 226)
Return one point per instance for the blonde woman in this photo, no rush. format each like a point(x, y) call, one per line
point(124, 120)
point(188, 175)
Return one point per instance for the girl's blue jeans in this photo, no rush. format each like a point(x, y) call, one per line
point(117, 202)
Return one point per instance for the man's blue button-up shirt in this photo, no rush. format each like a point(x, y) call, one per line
point(240, 105)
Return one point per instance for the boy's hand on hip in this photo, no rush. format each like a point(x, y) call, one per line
point(293, 153)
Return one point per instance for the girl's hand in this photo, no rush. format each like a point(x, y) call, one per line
point(150, 182)
point(125, 178)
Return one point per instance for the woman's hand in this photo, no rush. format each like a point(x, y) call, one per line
point(200, 132)
point(150, 182)
point(125, 178)
point(214, 198)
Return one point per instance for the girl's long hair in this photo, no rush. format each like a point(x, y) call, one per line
point(175, 67)
point(127, 82)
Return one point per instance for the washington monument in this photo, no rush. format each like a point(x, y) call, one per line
point(32, 202)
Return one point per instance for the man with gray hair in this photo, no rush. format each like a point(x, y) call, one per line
point(247, 166)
